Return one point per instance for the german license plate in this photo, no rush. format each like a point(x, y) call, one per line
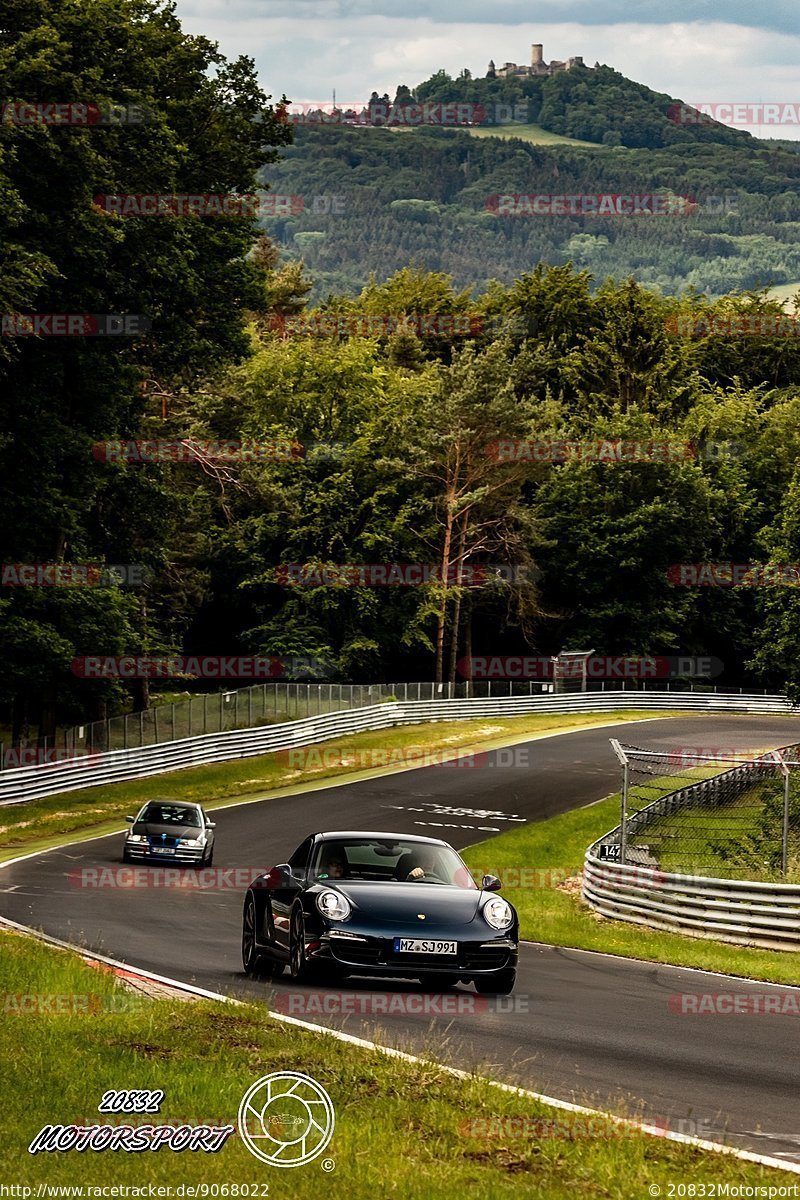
point(423, 946)
point(163, 850)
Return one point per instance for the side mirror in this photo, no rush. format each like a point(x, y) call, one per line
point(211, 824)
point(490, 883)
point(130, 820)
point(282, 877)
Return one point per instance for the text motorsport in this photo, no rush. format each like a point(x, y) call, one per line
point(133, 1139)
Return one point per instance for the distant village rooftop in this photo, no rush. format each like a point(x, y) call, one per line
point(538, 65)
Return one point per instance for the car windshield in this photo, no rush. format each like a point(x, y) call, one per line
point(390, 860)
point(170, 814)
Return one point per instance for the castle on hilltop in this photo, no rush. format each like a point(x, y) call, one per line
point(538, 65)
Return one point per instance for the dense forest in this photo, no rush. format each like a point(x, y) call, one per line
point(424, 196)
point(395, 396)
point(371, 200)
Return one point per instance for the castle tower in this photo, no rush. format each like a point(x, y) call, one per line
point(491, 73)
point(537, 51)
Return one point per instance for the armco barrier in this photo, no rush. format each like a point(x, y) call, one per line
point(48, 779)
point(766, 915)
point(746, 912)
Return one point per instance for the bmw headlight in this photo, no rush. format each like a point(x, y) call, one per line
point(498, 913)
point(334, 906)
point(200, 841)
point(136, 838)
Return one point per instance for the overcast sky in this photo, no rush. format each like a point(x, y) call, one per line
point(699, 51)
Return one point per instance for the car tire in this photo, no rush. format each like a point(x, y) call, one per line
point(210, 860)
point(300, 969)
point(126, 858)
point(501, 983)
point(253, 961)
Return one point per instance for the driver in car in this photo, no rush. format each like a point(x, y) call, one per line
point(426, 863)
point(334, 868)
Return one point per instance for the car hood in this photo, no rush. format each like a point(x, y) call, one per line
point(393, 902)
point(155, 830)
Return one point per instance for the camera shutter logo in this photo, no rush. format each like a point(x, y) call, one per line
point(286, 1119)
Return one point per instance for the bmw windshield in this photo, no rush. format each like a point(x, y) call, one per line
point(169, 814)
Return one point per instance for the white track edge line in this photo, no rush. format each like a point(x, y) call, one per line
point(564, 1105)
point(651, 962)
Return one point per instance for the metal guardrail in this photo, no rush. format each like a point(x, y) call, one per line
point(765, 915)
point(272, 703)
point(745, 912)
point(30, 783)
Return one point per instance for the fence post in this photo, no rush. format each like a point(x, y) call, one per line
point(623, 802)
point(785, 825)
point(205, 712)
point(172, 713)
point(155, 726)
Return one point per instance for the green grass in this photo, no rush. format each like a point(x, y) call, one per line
point(73, 815)
point(785, 292)
point(738, 838)
point(548, 852)
point(531, 133)
point(400, 1127)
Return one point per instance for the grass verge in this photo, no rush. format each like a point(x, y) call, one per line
point(536, 859)
point(531, 133)
point(401, 1129)
point(41, 824)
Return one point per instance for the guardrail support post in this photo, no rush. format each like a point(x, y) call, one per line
point(785, 824)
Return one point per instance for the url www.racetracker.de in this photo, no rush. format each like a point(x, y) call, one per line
point(108, 1191)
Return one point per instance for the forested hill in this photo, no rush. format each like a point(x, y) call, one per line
point(594, 105)
point(370, 200)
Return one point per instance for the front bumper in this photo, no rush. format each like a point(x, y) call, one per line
point(145, 852)
point(369, 954)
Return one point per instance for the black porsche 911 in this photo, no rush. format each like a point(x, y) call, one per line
point(380, 904)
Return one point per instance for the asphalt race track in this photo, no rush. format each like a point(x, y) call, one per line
point(586, 1027)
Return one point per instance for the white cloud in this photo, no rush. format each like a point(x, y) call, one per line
point(310, 56)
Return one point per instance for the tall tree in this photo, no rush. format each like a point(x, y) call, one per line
point(168, 115)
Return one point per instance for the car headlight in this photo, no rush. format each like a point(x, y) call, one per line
point(136, 837)
point(498, 913)
point(193, 841)
point(333, 905)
